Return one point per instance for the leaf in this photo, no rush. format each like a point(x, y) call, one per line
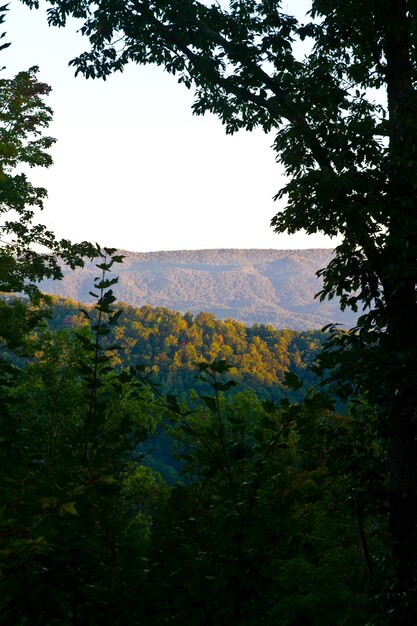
point(115, 317)
point(103, 266)
point(125, 376)
point(173, 405)
point(226, 386)
point(49, 503)
point(292, 381)
point(67, 507)
point(210, 402)
point(220, 367)
point(109, 480)
point(106, 283)
point(85, 341)
point(202, 365)
point(269, 406)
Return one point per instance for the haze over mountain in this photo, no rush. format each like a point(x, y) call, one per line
point(274, 287)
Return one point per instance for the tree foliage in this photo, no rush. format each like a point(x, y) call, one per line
point(261, 526)
point(75, 511)
point(345, 131)
point(28, 251)
point(264, 524)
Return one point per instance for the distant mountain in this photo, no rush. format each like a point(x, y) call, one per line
point(274, 287)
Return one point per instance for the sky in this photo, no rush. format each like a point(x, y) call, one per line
point(133, 168)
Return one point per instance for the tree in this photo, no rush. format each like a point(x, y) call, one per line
point(28, 251)
point(346, 132)
point(23, 117)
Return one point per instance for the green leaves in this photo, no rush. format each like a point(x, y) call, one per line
point(23, 118)
point(351, 170)
point(76, 506)
point(256, 491)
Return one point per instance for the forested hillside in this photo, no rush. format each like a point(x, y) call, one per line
point(274, 287)
point(170, 345)
point(126, 504)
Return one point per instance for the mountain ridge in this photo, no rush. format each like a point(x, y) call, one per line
point(263, 286)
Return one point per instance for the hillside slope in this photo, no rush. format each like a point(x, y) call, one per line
point(274, 287)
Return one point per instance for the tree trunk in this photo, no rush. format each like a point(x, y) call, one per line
point(401, 399)
point(399, 280)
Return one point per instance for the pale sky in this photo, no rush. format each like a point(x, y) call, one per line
point(133, 168)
